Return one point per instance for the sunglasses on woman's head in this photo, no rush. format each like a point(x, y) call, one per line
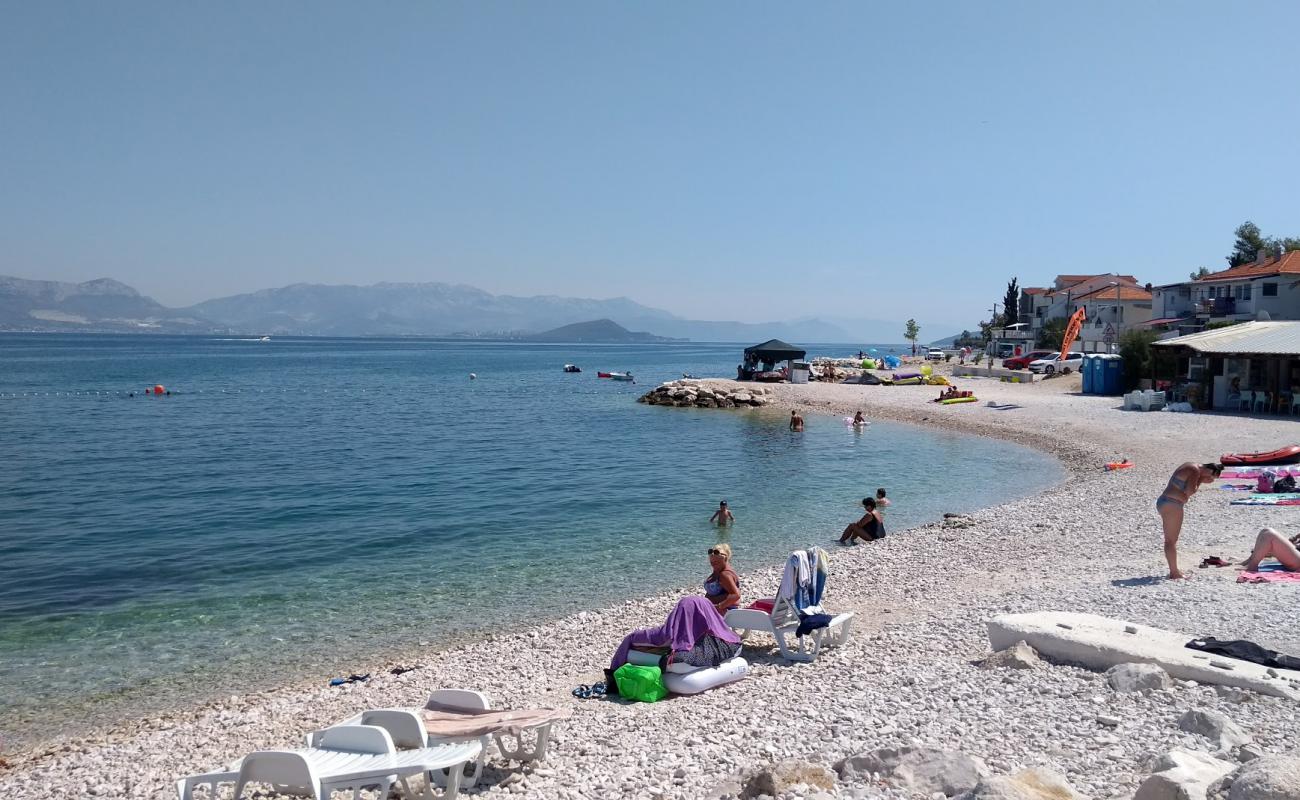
point(715, 552)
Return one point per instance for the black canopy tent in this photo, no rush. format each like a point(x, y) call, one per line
point(774, 350)
point(761, 358)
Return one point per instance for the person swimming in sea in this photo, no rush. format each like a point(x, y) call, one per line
point(858, 419)
point(1182, 485)
point(723, 515)
point(796, 421)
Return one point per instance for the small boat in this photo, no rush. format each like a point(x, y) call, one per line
point(572, 368)
point(265, 339)
point(617, 376)
point(1282, 455)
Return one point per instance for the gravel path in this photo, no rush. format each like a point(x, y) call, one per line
point(1091, 544)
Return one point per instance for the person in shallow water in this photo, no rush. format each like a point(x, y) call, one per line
point(1271, 544)
point(1182, 485)
point(723, 515)
point(881, 500)
point(722, 587)
point(858, 419)
point(869, 528)
point(796, 421)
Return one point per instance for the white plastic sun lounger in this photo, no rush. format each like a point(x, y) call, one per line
point(408, 730)
point(783, 621)
point(348, 757)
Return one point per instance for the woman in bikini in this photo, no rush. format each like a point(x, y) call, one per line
point(1182, 485)
point(722, 587)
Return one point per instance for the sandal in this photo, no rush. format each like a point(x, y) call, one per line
point(583, 691)
point(1214, 561)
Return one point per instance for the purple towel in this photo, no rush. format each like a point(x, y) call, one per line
point(691, 619)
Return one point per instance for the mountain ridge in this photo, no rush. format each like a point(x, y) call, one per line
point(380, 309)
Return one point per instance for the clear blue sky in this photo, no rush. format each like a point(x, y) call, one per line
point(722, 160)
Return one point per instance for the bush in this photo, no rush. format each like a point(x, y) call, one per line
point(1139, 358)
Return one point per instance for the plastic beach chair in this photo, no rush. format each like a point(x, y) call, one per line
point(782, 621)
point(348, 757)
point(407, 730)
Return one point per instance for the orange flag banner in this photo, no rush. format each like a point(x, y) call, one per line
point(1072, 331)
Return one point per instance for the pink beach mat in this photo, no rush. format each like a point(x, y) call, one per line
point(1270, 573)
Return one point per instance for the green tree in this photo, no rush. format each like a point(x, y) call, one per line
point(1011, 303)
point(1139, 356)
point(913, 330)
point(1051, 334)
point(1201, 272)
point(1250, 240)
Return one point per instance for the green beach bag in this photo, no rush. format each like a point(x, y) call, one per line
point(640, 683)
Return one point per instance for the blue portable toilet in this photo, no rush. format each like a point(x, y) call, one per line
point(1114, 375)
point(1089, 374)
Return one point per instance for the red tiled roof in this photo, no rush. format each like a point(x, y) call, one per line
point(1120, 292)
point(1289, 264)
point(1035, 290)
point(1066, 281)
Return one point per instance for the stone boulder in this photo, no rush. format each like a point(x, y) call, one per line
point(1215, 726)
point(1138, 677)
point(1030, 784)
point(925, 770)
point(1018, 656)
point(774, 780)
point(1182, 775)
point(742, 397)
point(1265, 778)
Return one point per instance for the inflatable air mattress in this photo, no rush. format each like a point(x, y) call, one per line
point(954, 400)
point(1100, 643)
point(1282, 455)
point(707, 678)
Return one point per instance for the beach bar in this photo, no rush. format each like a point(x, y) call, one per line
point(1253, 366)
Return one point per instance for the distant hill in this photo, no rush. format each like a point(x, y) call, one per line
point(102, 305)
point(601, 331)
point(387, 309)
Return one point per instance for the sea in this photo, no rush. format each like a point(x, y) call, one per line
point(303, 508)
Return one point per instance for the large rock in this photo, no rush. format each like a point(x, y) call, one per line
point(920, 769)
point(774, 780)
point(1031, 784)
point(1017, 656)
point(1214, 726)
point(1182, 775)
point(742, 397)
point(1265, 778)
point(1138, 677)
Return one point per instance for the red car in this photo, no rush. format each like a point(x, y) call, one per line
point(1022, 362)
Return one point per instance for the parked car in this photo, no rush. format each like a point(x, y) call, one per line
point(934, 355)
point(1054, 363)
point(1022, 362)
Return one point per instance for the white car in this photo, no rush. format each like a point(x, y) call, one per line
point(1054, 363)
point(934, 355)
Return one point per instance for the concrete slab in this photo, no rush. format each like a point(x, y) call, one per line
point(1100, 643)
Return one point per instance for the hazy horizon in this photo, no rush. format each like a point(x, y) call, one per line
point(718, 162)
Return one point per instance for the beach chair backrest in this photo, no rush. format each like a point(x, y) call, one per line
point(441, 699)
point(405, 727)
point(289, 772)
point(357, 739)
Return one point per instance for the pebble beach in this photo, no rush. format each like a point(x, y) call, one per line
point(906, 678)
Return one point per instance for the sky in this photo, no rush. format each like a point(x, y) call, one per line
point(728, 160)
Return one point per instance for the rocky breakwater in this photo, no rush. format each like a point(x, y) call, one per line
point(696, 394)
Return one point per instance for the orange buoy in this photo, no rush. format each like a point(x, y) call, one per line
point(158, 388)
point(1119, 465)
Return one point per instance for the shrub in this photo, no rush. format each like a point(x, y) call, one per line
point(1139, 358)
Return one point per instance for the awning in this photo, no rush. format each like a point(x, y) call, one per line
point(1248, 338)
point(1163, 321)
point(775, 350)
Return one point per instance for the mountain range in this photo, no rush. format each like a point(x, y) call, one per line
point(383, 309)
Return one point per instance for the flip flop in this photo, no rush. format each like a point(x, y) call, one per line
point(1214, 561)
point(583, 691)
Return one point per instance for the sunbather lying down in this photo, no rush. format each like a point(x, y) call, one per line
point(1271, 544)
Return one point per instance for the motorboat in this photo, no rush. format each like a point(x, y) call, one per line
point(572, 368)
point(617, 376)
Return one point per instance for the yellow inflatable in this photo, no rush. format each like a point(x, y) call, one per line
point(926, 369)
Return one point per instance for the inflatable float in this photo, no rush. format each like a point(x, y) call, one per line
point(905, 376)
point(699, 680)
point(1255, 472)
point(1119, 465)
point(954, 400)
point(1100, 643)
point(852, 424)
point(1282, 455)
point(572, 368)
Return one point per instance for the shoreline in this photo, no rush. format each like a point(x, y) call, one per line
point(1046, 550)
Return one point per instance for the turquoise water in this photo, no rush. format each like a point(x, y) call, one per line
point(298, 506)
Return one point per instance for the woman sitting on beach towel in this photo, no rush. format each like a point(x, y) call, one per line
point(1182, 485)
point(1271, 544)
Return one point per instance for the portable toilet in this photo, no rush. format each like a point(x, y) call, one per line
point(1099, 373)
point(1114, 375)
point(1089, 362)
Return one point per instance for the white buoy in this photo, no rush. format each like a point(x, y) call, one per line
point(472, 376)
